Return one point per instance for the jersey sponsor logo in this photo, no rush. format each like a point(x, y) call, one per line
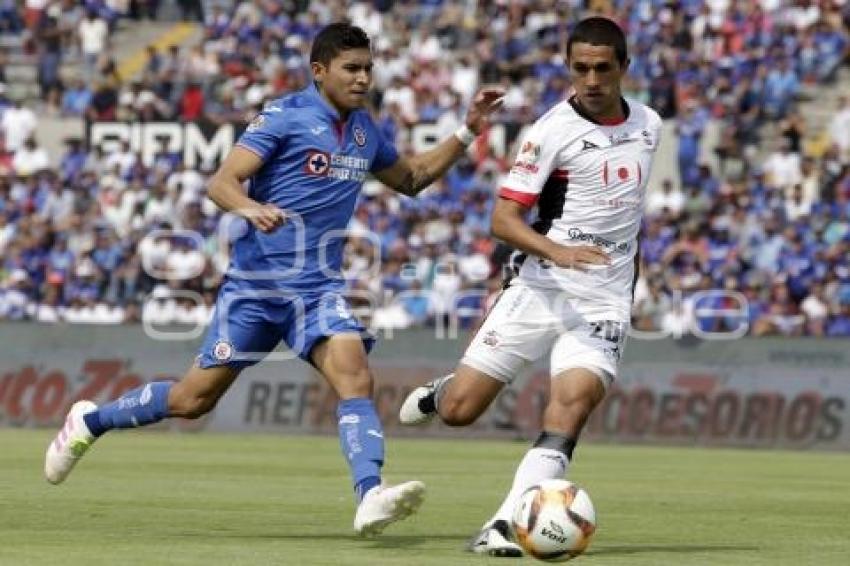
point(318, 163)
point(256, 123)
point(318, 130)
point(586, 145)
point(336, 166)
point(530, 152)
point(222, 351)
point(359, 136)
point(351, 419)
point(620, 139)
point(631, 204)
point(578, 235)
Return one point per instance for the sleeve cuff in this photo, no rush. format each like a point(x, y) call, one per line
point(526, 199)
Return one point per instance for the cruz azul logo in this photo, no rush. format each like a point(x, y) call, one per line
point(317, 163)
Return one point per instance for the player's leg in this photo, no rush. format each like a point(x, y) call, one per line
point(518, 330)
point(190, 398)
point(235, 340)
point(459, 398)
point(335, 342)
point(574, 394)
point(515, 333)
point(583, 365)
point(342, 360)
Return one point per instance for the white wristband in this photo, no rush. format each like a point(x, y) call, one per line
point(465, 135)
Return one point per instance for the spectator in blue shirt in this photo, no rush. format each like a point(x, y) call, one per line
point(839, 323)
point(76, 99)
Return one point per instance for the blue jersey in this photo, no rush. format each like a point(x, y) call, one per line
point(314, 165)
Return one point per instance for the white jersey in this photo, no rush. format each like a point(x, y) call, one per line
point(589, 182)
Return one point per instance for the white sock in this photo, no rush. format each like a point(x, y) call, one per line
point(538, 464)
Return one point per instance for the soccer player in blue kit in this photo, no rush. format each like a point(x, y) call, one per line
point(306, 156)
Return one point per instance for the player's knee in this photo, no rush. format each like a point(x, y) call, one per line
point(198, 407)
point(456, 411)
point(357, 383)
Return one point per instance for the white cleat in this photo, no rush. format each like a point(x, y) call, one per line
point(495, 540)
point(70, 443)
point(420, 405)
point(383, 505)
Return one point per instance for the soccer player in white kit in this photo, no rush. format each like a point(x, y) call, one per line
point(585, 165)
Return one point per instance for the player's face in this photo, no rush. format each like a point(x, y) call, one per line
point(345, 81)
point(596, 75)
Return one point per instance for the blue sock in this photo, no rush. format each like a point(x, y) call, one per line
point(362, 441)
point(142, 406)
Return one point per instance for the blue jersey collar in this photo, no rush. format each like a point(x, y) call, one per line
point(313, 92)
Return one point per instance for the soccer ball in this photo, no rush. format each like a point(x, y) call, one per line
point(554, 520)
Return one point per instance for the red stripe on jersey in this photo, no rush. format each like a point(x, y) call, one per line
point(524, 199)
point(605, 174)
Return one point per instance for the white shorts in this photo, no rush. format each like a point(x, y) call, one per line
point(526, 323)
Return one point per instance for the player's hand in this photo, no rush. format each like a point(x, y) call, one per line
point(484, 103)
point(265, 217)
point(579, 257)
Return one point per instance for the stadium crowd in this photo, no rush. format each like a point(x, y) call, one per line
point(764, 225)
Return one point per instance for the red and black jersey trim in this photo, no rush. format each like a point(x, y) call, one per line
point(550, 206)
point(526, 199)
point(584, 114)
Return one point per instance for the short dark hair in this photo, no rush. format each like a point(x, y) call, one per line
point(335, 38)
point(599, 31)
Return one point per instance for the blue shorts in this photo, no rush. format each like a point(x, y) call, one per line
point(248, 324)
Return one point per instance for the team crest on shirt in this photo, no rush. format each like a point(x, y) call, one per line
point(317, 163)
point(359, 136)
point(530, 152)
point(223, 351)
point(258, 121)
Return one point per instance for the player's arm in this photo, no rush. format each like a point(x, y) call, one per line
point(508, 224)
point(226, 190)
point(410, 175)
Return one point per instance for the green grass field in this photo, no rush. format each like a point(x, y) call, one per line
point(156, 498)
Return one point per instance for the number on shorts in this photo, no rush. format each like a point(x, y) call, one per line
point(611, 330)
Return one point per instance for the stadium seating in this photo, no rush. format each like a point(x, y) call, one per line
point(758, 207)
